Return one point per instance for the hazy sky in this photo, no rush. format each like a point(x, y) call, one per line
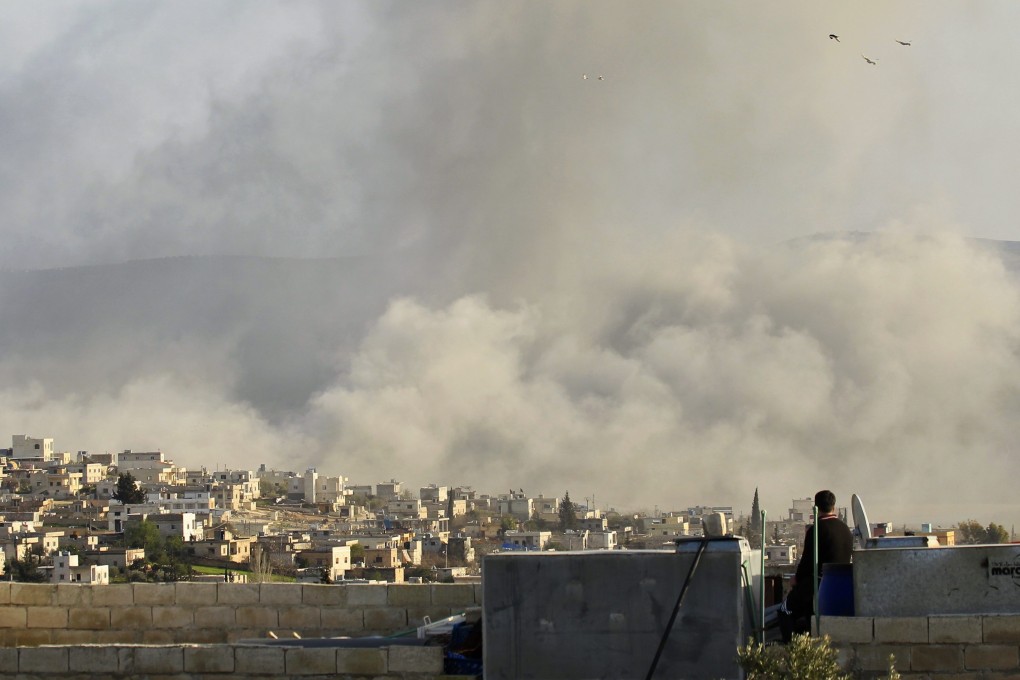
point(585, 283)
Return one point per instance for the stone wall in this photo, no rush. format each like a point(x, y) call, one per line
point(984, 647)
point(203, 613)
point(81, 662)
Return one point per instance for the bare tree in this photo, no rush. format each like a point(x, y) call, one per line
point(260, 564)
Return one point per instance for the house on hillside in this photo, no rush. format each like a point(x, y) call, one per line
point(183, 525)
point(526, 540)
point(335, 561)
point(221, 544)
point(67, 570)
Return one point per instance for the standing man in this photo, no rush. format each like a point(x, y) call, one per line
point(835, 544)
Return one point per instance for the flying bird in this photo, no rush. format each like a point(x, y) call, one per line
point(869, 60)
point(584, 76)
point(833, 36)
point(601, 78)
point(903, 43)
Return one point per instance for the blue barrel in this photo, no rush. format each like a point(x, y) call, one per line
point(836, 590)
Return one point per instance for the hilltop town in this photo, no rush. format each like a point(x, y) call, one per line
point(139, 516)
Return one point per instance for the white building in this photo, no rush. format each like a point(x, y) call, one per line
point(527, 540)
point(433, 493)
point(781, 554)
point(196, 499)
point(56, 483)
point(183, 525)
point(518, 506)
point(409, 508)
point(25, 448)
point(120, 514)
point(335, 560)
point(67, 570)
point(91, 473)
point(151, 467)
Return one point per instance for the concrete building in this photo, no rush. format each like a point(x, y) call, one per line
point(330, 489)
point(24, 447)
point(221, 544)
point(196, 499)
point(780, 554)
point(120, 558)
point(183, 525)
point(517, 506)
point(91, 473)
point(526, 540)
point(151, 468)
point(547, 509)
point(274, 482)
point(67, 570)
point(593, 523)
point(433, 493)
point(363, 490)
point(388, 490)
point(57, 483)
point(602, 540)
point(335, 560)
point(460, 549)
point(119, 514)
point(575, 540)
point(409, 508)
point(231, 496)
point(385, 558)
point(433, 544)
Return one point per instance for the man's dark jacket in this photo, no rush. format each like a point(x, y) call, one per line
point(835, 544)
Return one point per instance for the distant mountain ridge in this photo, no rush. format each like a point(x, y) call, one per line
point(284, 325)
point(283, 320)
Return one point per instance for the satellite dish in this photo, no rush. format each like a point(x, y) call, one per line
point(861, 520)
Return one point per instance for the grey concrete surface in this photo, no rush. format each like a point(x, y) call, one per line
point(602, 614)
point(973, 579)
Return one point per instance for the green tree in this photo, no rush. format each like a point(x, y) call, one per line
point(127, 490)
point(568, 514)
point(755, 513)
point(26, 571)
point(996, 533)
point(971, 532)
point(537, 522)
point(145, 534)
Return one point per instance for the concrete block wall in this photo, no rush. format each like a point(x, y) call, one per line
point(197, 613)
point(983, 647)
point(197, 662)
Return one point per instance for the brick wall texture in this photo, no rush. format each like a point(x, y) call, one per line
point(973, 647)
point(209, 613)
point(198, 662)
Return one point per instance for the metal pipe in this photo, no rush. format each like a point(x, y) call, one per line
point(814, 571)
point(761, 582)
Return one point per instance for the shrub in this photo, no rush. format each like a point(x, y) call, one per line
point(805, 658)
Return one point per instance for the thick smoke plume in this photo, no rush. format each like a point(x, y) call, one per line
point(885, 366)
point(405, 240)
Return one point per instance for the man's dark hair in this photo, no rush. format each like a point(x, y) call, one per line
point(825, 500)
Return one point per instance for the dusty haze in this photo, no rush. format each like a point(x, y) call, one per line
point(485, 269)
